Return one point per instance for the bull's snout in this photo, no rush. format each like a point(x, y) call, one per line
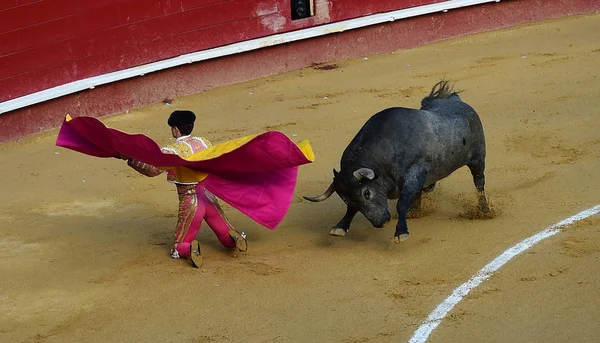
point(382, 225)
point(383, 222)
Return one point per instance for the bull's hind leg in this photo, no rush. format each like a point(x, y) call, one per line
point(411, 190)
point(341, 228)
point(478, 172)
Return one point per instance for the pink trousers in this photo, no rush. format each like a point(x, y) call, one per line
point(197, 204)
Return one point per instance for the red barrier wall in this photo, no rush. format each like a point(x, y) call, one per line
point(47, 43)
point(197, 77)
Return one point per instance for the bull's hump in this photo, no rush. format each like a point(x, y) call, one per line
point(392, 117)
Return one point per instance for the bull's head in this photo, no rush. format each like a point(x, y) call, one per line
point(360, 189)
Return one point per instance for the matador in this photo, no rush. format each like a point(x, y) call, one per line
point(195, 202)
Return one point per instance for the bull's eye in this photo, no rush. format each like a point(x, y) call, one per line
point(367, 194)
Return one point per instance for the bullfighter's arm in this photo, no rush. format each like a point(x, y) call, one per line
point(144, 168)
point(147, 169)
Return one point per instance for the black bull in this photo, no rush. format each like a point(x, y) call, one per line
point(401, 152)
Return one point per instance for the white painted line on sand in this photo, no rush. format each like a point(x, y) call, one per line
point(436, 316)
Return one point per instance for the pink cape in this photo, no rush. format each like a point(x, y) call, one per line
point(257, 178)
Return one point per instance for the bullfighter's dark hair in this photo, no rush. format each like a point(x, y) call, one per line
point(186, 129)
point(441, 90)
point(182, 120)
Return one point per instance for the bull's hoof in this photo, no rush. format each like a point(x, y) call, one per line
point(336, 231)
point(402, 238)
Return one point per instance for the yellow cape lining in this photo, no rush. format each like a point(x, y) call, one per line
point(184, 174)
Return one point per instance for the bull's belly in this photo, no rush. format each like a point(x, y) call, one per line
point(441, 170)
point(437, 176)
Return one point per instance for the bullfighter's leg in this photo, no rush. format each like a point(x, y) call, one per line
point(410, 191)
point(191, 213)
point(342, 227)
point(477, 170)
point(219, 223)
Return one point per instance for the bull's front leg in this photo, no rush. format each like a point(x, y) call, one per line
point(411, 190)
point(341, 228)
point(416, 206)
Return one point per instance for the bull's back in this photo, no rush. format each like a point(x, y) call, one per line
point(375, 136)
point(438, 139)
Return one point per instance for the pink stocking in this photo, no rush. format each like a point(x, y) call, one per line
point(191, 213)
point(215, 217)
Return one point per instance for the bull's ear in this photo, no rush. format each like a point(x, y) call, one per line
point(335, 172)
point(364, 173)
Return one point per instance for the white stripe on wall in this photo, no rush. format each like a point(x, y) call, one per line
point(231, 49)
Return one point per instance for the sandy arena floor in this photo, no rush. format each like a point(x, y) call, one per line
point(84, 242)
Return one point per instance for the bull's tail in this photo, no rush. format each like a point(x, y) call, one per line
point(441, 90)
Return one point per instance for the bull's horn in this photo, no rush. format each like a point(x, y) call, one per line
point(364, 173)
point(323, 196)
